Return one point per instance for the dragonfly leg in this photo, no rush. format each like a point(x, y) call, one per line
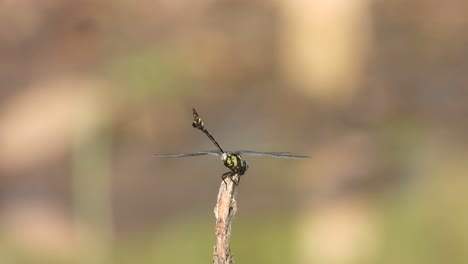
point(234, 181)
point(231, 175)
point(225, 175)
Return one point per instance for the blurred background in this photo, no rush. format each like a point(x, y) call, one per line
point(376, 92)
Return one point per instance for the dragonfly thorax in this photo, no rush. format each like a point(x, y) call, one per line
point(235, 163)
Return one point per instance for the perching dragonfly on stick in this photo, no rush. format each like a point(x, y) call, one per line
point(233, 160)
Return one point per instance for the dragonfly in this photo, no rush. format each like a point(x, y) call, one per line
point(233, 160)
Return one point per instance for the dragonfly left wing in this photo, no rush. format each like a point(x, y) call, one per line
point(192, 154)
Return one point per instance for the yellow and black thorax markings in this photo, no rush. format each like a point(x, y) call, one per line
point(235, 163)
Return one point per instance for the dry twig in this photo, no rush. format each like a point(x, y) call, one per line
point(225, 210)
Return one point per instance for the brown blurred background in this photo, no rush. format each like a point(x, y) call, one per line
point(375, 91)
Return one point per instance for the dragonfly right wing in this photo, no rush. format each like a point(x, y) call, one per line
point(284, 155)
point(180, 155)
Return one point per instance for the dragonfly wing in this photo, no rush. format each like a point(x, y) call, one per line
point(283, 155)
point(192, 154)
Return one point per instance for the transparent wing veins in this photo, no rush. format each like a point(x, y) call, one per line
point(283, 155)
point(192, 154)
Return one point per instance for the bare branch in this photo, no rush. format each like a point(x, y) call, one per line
point(224, 211)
